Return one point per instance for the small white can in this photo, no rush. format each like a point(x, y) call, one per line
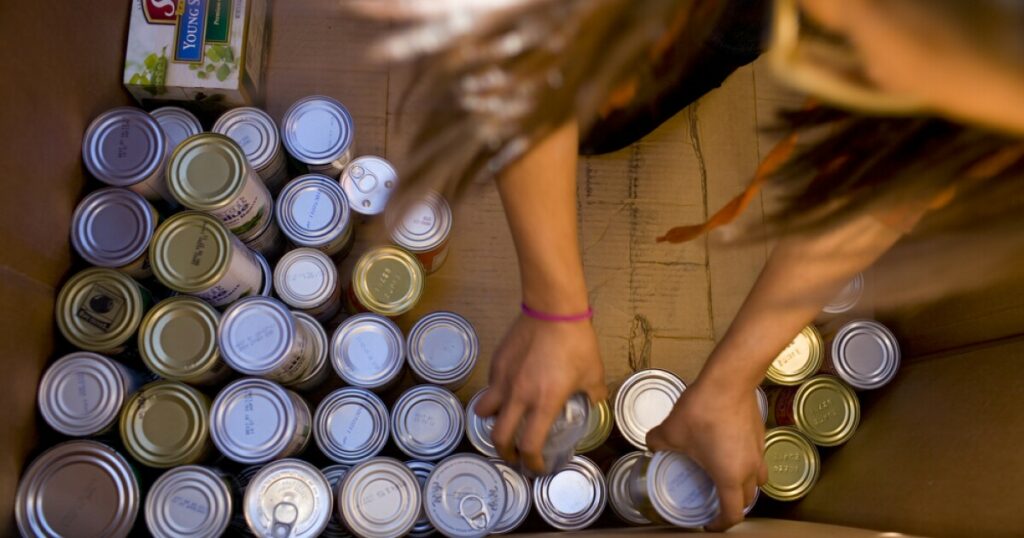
point(643, 401)
point(112, 227)
point(177, 124)
point(318, 131)
point(125, 147)
point(259, 336)
point(81, 394)
point(307, 280)
point(320, 371)
point(573, 498)
point(190, 500)
point(379, 498)
point(368, 182)
point(254, 421)
point(426, 422)
point(465, 496)
point(863, 353)
point(368, 351)
point(288, 498)
point(256, 133)
point(351, 425)
point(442, 349)
point(423, 229)
point(313, 211)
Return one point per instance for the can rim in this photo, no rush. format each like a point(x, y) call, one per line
point(422, 470)
point(334, 474)
point(815, 355)
point(845, 429)
point(83, 240)
point(427, 240)
point(417, 357)
point(600, 423)
point(111, 383)
point(886, 340)
point(235, 317)
point(762, 404)
point(95, 161)
point(660, 494)
point(168, 116)
point(807, 452)
point(318, 261)
point(268, 274)
point(847, 298)
point(371, 404)
point(493, 496)
point(519, 493)
point(210, 485)
point(75, 329)
point(149, 452)
point(279, 399)
point(374, 200)
point(405, 406)
point(290, 125)
point(478, 429)
point(403, 480)
point(155, 355)
point(329, 189)
point(542, 498)
point(618, 490)
point(187, 193)
point(159, 254)
point(395, 352)
point(320, 514)
point(263, 153)
point(399, 305)
point(319, 343)
point(668, 382)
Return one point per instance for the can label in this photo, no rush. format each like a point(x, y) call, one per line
point(340, 245)
point(303, 426)
point(267, 242)
point(314, 379)
point(154, 188)
point(139, 268)
point(248, 214)
point(275, 173)
point(327, 309)
point(301, 358)
point(780, 405)
point(244, 277)
point(433, 260)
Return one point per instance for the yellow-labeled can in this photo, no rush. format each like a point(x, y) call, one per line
point(387, 281)
point(793, 464)
point(799, 360)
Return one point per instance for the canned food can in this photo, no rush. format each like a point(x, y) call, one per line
point(863, 353)
point(318, 132)
point(256, 133)
point(244, 476)
point(847, 298)
point(379, 498)
point(177, 125)
point(100, 310)
point(78, 488)
point(289, 498)
point(762, 404)
point(269, 242)
point(368, 182)
point(194, 253)
point(569, 428)
point(423, 229)
point(619, 490)
point(191, 500)
point(670, 487)
point(800, 360)
point(822, 408)
point(268, 275)
point(334, 474)
point(165, 424)
point(422, 470)
point(571, 499)
point(465, 496)
point(426, 422)
point(443, 349)
point(368, 351)
point(643, 401)
point(112, 227)
point(81, 394)
point(307, 280)
point(518, 498)
point(351, 425)
point(387, 281)
point(125, 147)
point(479, 429)
point(319, 372)
point(254, 421)
point(178, 341)
point(753, 502)
point(259, 336)
point(793, 464)
point(599, 427)
point(313, 211)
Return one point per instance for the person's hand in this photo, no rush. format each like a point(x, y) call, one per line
point(537, 367)
point(720, 427)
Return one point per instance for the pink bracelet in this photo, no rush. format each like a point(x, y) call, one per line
point(559, 318)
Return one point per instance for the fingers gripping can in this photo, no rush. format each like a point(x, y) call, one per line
point(112, 228)
point(125, 147)
point(643, 401)
point(478, 429)
point(569, 428)
point(670, 487)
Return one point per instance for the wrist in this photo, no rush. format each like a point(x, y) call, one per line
point(557, 298)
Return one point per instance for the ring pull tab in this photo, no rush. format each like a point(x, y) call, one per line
point(478, 520)
point(285, 515)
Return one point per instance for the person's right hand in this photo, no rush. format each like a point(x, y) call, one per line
point(535, 370)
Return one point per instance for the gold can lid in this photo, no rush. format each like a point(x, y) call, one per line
point(178, 338)
point(191, 251)
point(99, 309)
point(800, 360)
point(599, 426)
point(165, 424)
point(826, 410)
point(388, 281)
point(206, 171)
point(793, 464)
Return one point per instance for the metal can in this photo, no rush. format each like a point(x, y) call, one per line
point(351, 425)
point(112, 227)
point(573, 498)
point(334, 474)
point(125, 147)
point(643, 401)
point(762, 404)
point(307, 280)
point(313, 211)
point(518, 498)
point(443, 349)
point(318, 132)
point(178, 341)
point(194, 253)
point(599, 427)
point(379, 498)
point(422, 470)
point(289, 498)
point(191, 500)
point(800, 360)
point(426, 422)
point(177, 124)
point(619, 490)
point(478, 429)
point(863, 353)
point(569, 427)
point(81, 394)
point(319, 371)
point(100, 310)
point(387, 281)
point(670, 487)
point(268, 242)
point(165, 424)
point(847, 298)
point(423, 229)
point(254, 421)
point(368, 351)
point(259, 336)
point(465, 496)
point(268, 275)
point(368, 182)
point(208, 172)
point(822, 408)
point(256, 133)
point(793, 464)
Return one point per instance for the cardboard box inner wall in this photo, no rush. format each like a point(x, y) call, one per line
point(938, 453)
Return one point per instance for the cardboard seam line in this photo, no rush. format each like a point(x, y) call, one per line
point(18, 275)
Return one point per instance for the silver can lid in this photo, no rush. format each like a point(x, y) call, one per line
point(312, 210)
point(848, 297)
point(305, 278)
point(762, 404)
point(82, 393)
point(78, 488)
point(643, 401)
point(124, 146)
point(368, 351)
point(422, 470)
point(443, 348)
point(268, 274)
point(317, 129)
point(319, 343)
point(424, 224)
point(252, 420)
point(190, 500)
point(465, 496)
point(518, 498)
point(254, 131)
point(351, 425)
point(426, 422)
point(368, 182)
point(379, 498)
point(256, 335)
point(111, 227)
point(288, 498)
point(865, 354)
point(334, 474)
point(478, 429)
point(569, 427)
point(571, 499)
point(618, 490)
point(680, 491)
point(177, 124)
